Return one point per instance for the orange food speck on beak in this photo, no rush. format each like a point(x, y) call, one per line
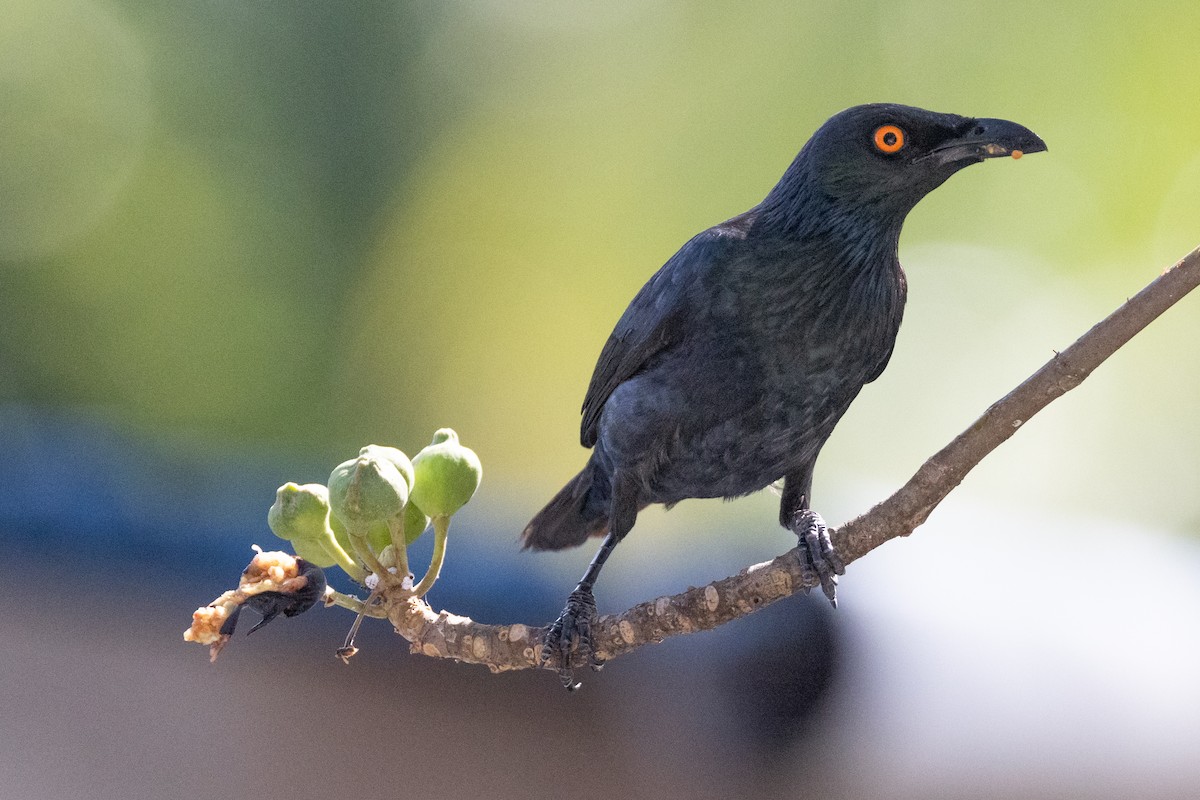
point(1017, 154)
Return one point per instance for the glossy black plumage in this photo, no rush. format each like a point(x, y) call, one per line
point(730, 368)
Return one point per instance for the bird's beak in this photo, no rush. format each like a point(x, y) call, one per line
point(988, 138)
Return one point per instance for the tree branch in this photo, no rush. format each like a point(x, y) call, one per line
point(506, 647)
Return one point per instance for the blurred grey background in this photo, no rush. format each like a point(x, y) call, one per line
point(239, 240)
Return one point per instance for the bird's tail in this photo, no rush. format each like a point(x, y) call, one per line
point(576, 512)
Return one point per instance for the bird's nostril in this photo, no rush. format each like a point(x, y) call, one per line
point(978, 130)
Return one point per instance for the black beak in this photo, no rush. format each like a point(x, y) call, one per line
point(988, 138)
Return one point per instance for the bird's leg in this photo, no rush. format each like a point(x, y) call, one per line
point(810, 529)
point(575, 623)
point(813, 534)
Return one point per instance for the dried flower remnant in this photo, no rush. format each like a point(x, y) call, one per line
point(274, 583)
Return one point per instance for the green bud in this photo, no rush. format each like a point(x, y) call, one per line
point(300, 512)
point(365, 490)
point(340, 534)
point(397, 457)
point(447, 475)
point(311, 550)
point(415, 522)
point(379, 535)
point(301, 515)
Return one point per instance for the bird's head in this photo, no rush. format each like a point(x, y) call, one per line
point(887, 157)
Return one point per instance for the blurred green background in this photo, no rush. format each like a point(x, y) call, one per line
point(308, 226)
point(292, 228)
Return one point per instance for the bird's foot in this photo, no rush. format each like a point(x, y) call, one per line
point(813, 534)
point(572, 628)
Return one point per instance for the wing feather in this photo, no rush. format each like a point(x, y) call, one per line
point(655, 320)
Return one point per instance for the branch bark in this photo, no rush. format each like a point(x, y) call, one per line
point(517, 646)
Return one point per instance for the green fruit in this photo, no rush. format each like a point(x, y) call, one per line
point(379, 535)
point(365, 490)
point(415, 522)
point(300, 512)
point(301, 516)
point(313, 551)
point(447, 475)
point(339, 533)
point(397, 457)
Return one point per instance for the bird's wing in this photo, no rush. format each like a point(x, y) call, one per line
point(901, 289)
point(655, 320)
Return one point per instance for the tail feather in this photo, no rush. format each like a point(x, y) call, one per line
point(571, 517)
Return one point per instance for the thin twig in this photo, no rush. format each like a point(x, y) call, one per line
point(336, 598)
point(505, 647)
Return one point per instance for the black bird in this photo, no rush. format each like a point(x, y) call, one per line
point(733, 364)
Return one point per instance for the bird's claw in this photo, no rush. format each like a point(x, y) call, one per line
point(572, 628)
point(813, 534)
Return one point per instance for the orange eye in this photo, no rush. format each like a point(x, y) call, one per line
point(889, 139)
